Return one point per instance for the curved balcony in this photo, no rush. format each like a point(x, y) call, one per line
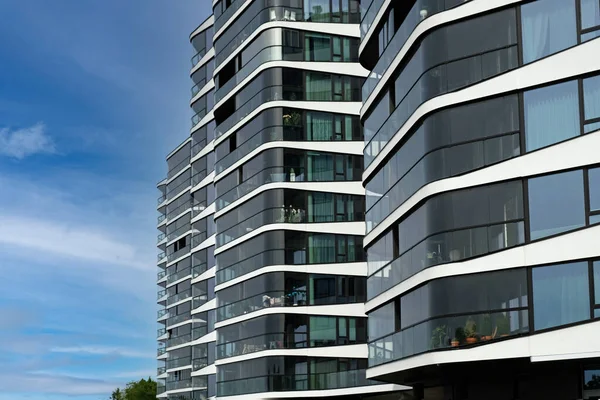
point(273, 298)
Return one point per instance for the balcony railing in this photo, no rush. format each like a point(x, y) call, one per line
point(198, 238)
point(160, 389)
point(274, 298)
point(199, 363)
point(161, 294)
point(176, 254)
point(179, 296)
point(174, 385)
point(178, 318)
point(177, 168)
point(179, 231)
point(160, 238)
point(161, 275)
point(161, 370)
point(161, 350)
point(176, 341)
point(160, 332)
point(179, 275)
point(198, 332)
point(161, 199)
point(197, 57)
point(199, 301)
point(161, 313)
point(179, 362)
point(161, 218)
point(198, 270)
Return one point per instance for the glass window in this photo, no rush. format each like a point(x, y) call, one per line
point(322, 331)
point(556, 204)
point(317, 10)
point(590, 13)
point(594, 182)
point(318, 86)
point(382, 321)
point(317, 47)
point(597, 282)
point(560, 295)
point(591, 382)
point(548, 26)
point(591, 97)
point(551, 115)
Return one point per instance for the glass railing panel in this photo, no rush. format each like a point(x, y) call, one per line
point(178, 189)
point(369, 12)
point(198, 332)
point(178, 253)
point(275, 298)
point(198, 238)
point(224, 17)
point(161, 293)
point(183, 384)
point(161, 370)
point(198, 86)
point(161, 199)
point(161, 218)
point(161, 274)
point(198, 177)
point(179, 296)
point(199, 363)
point(179, 275)
point(176, 341)
point(197, 147)
point(199, 301)
point(160, 389)
point(448, 333)
point(178, 318)
point(179, 231)
point(197, 270)
point(160, 237)
point(420, 11)
point(445, 248)
point(197, 57)
point(270, 341)
point(161, 350)
point(160, 332)
point(176, 169)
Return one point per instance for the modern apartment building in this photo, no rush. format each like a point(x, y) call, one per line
point(186, 276)
point(482, 124)
point(263, 275)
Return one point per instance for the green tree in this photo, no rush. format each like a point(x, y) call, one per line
point(141, 390)
point(117, 394)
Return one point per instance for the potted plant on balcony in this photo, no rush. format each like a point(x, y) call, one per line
point(503, 325)
point(471, 331)
point(438, 337)
point(486, 328)
point(459, 337)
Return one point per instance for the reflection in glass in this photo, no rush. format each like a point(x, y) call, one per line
point(556, 204)
point(560, 295)
point(591, 97)
point(551, 115)
point(548, 26)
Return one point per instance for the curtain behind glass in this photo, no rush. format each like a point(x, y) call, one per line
point(551, 115)
point(320, 207)
point(318, 86)
point(320, 167)
point(321, 249)
point(319, 126)
point(591, 95)
point(560, 295)
point(317, 47)
point(549, 26)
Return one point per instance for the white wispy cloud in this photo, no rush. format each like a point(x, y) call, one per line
point(20, 143)
point(103, 351)
point(70, 241)
point(54, 384)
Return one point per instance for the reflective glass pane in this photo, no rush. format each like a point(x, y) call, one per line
point(560, 295)
point(594, 182)
point(597, 282)
point(590, 13)
point(591, 97)
point(556, 204)
point(548, 26)
point(551, 115)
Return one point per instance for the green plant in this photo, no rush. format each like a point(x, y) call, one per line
point(470, 328)
point(486, 325)
point(459, 335)
point(503, 325)
point(438, 336)
point(292, 119)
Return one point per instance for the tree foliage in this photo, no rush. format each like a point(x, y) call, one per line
point(144, 389)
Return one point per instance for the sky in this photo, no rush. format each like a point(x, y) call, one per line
point(93, 96)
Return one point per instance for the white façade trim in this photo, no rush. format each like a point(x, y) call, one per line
point(208, 370)
point(209, 54)
point(207, 211)
point(352, 69)
point(539, 347)
point(204, 182)
point(175, 150)
point(566, 64)
point(570, 246)
point(351, 391)
point(209, 337)
point(342, 310)
point(204, 245)
point(340, 107)
point(208, 86)
point(209, 273)
point(573, 153)
point(231, 18)
point(204, 121)
point(355, 148)
point(350, 30)
point(329, 187)
point(167, 202)
point(351, 269)
point(210, 146)
point(180, 368)
point(348, 228)
point(348, 351)
point(463, 11)
point(203, 26)
point(209, 305)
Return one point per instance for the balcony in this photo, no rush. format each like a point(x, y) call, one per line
point(161, 350)
point(161, 370)
point(179, 362)
point(178, 232)
point(160, 237)
point(161, 275)
point(178, 318)
point(275, 298)
point(179, 296)
point(176, 341)
point(160, 256)
point(197, 270)
point(161, 199)
point(160, 389)
point(174, 385)
point(199, 363)
point(179, 275)
point(161, 294)
point(199, 301)
point(161, 218)
point(175, 255)
point(161, 313)
point(198, 332)
point(160, 332)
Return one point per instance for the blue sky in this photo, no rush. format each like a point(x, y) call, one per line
point(93, 95)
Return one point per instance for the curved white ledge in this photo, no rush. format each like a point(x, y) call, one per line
point(232, 18)
point(367, 37)
point(566, 64)
point(207, 211)
point(186, 190)
point(179, 368)
point(350, 30)
point(176, 149)
point(209, 305)
point(209, 54)
point(204, 121)
point(209, 337)
point(208, 370)
point(185, 278)
point(203, 26)
point(466, 10)
point(204, 182)
point(342, 310)
point(548, 346)
point(208, 86)
point(187, 299)
point(175, 218)
point(209, 273)
point(570, 246)
point(576, 152)
point(347, 228)
point(346, 269)
point(341, 107)
point(329, 187)
point(355, 148)
point(351, 391)
point(204, 245)
point(343, 68)
point(175, 261)
point(348, 351)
